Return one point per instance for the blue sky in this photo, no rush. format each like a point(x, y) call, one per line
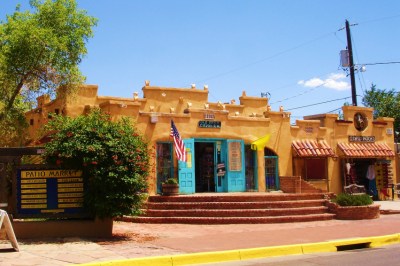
point(287, 48)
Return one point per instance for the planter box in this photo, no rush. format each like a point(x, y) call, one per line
point(170, 189)
point(63, 228)
point(354, 212)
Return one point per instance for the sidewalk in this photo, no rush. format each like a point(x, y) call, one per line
point(145, 240)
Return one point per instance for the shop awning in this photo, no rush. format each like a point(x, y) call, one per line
point(366, 150)
point(312, 148)
point(260, 143)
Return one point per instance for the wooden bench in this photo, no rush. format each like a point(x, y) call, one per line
point(354, 189)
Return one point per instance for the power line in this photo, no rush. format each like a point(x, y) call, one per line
point(383, 63)
point(380, 19)
point(294, 48)
point(304, 106)
point(265, 59)
point(298, 95)
point(334, 110)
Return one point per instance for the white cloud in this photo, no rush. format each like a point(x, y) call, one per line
point(334, 81)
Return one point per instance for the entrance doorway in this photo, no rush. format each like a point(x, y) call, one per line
point(205, 166)
point(271, 170)
point(271, 173)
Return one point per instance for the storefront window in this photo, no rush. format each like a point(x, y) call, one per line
point(165, 167)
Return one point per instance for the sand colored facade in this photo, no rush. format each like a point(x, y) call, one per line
point(242, 145)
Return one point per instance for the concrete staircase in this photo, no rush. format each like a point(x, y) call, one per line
point(234, 208)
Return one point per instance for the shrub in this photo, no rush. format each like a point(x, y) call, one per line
point(171, 181)
point(114, 159)
point(344, 199)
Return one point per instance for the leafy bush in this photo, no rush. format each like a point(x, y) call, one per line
point(344, 199)
point(114, 159)
point(171, 181)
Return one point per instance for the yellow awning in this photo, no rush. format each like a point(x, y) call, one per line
point(260, 143)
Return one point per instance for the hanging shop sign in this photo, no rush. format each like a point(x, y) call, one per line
point(360, 121)
point(235, 156)
point(361, 138)
point(43, 192)
point(221, 169)
point(209, 124)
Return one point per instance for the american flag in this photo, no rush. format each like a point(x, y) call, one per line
point(179, 146)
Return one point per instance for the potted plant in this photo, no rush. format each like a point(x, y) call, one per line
point(353, 207)
point(170, 187)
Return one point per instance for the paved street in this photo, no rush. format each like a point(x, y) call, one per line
point(144, 240)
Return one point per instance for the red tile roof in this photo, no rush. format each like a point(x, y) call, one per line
point(312, 148)
point(366, 150)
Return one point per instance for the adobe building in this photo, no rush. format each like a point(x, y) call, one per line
point(245, 146)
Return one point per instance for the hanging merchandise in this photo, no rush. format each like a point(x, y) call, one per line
point(371, 175)
point(351, 174)
point(384, 178)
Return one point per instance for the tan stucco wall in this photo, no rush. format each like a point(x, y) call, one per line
point(248, 119)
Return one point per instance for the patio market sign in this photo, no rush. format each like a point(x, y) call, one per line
point(43, 192)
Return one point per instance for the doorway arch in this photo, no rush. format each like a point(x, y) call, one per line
point(271, 172)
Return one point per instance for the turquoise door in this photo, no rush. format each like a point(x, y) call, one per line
point(221, 165)
point(186, 169)
point(235, 174)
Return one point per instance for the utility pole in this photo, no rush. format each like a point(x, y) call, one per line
point(351, 62)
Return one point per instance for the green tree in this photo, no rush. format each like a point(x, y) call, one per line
point(39, 53)
point(386, 103)
point(112, 155)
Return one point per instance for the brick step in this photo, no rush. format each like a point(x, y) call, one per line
point(230, 220)
point(236, 212)
point(235, 205)
point(244, 197)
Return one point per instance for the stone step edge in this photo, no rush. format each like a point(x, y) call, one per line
point(229, 220)
point(242, 210)
point(234, 205)
point(234, 212)
point(235, 198)
point(240, 202)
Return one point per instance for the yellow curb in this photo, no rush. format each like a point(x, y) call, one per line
point(384, 240)
point(252, 253)
point(147, 261)
point(318, 247)
point(205, 257)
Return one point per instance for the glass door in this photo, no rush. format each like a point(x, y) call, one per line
point(271, 173)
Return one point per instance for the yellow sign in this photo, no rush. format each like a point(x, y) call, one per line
point(70, 189)
point(34, 186)
point(69, 180)
point(52, 211)
point(33, 181)
point(45, 191)
point(70, 195)
point(70, 200)
point(34, 201)
point(34, 196)
point(71, 185)
point(27, 191)
point(34, 206)
point(70, 205)
point(50, 173)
